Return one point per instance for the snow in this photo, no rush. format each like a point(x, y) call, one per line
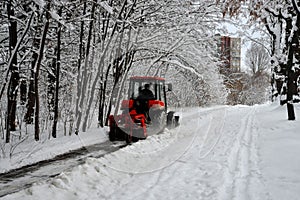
point(29, 151)
point(105, 5)
point(222, 152)
point(40, 3)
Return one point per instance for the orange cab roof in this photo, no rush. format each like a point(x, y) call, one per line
point(152, 78)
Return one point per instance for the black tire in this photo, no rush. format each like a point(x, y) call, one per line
point(111, 136)
point(176, 119)
point(112, 133)
point(135, 139)
point(170, 120)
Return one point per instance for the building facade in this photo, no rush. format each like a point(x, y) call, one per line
point(230, 52)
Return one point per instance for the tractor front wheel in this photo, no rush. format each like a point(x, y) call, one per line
point(158, 121)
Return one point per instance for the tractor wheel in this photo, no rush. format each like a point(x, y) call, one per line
point(135, 139)
point(130, 139)
point(170, 121)
point(112, 133)
point(159, 121)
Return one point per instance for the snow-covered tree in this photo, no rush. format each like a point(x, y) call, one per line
point(177, 42)
point(282, 21)
point(74, 56)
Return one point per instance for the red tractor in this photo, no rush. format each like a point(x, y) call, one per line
point(145, 111)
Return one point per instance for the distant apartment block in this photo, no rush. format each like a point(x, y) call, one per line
point(230, 52)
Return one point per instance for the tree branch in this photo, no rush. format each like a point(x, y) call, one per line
point(14, 53)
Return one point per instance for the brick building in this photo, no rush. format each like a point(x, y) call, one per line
point(230, 52)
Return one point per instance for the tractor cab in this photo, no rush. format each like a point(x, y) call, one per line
point(147, 90)
point(154, 84)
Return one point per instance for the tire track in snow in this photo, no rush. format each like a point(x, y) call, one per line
point(236, 181)
point(243, 171)
point(213, 131)
point(257, 186)
point(206, 145)
point(242, 162)
point(206, 142)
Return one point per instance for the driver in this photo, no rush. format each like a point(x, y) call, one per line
point(142, 101)
point(146, 93)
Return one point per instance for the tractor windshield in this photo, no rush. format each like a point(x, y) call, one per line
point(146, 89)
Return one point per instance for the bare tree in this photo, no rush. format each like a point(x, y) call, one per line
point(257, 59)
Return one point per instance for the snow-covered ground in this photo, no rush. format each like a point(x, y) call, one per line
point(220, 153)
point(28, 151)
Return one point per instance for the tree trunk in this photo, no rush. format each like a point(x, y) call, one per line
point(290, 93)
point(31, 97)
point(100, 109)
point(14, 80)
point(51, 86)
point(293, 46)
point(23, 89)
point(102, 97)
point(36, 77)
point(57, 77)
point(83, 77)
point(81, 57)
point(31, 90)
point(101, 113)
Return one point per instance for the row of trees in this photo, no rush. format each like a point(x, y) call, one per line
point(67, 60)
point(282, 21)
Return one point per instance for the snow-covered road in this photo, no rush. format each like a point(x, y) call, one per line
point(221, 153)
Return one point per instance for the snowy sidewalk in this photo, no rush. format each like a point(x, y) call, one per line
point(279, 151)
